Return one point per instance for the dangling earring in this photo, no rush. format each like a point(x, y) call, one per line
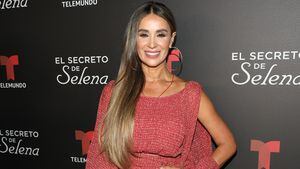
point(174, 51)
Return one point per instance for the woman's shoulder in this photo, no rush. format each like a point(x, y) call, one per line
point(190, 88)
point(108, 87)
point(195, 88)
point(195, 83)
point(190, 84)
point(109, 84)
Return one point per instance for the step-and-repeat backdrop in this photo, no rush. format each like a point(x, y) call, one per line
point(56, 56)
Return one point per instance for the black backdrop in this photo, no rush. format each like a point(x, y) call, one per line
point(244, 53)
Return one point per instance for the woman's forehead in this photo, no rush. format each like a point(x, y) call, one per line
point(154, 22)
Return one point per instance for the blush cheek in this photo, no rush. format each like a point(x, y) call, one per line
point(164, 54)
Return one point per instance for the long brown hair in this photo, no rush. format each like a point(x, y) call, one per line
point(119, 120)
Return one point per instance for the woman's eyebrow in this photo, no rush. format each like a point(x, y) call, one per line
point(160, 30)
point(143, 30)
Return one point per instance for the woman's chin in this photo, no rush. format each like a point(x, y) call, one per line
point(152, 64)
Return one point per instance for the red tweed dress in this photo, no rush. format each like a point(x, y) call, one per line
point(166, 132)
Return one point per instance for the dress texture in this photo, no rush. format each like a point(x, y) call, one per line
point(166, 132)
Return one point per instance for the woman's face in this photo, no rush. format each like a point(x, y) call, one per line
point(154, 39)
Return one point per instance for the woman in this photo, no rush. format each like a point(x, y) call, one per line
point(147, 117)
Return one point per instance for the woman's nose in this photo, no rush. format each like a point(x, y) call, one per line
point(152, 42)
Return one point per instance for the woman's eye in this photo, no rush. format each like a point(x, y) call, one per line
point(161, 35)
point(143, 35)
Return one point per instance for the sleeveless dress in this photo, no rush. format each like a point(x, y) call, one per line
point(166, 132)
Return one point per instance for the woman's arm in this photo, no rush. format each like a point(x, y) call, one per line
point(218, 129)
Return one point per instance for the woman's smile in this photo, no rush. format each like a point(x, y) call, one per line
point(152, 54)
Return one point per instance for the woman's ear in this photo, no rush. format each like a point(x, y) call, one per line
point(172, 39)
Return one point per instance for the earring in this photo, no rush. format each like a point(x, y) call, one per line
point(175, 56)
point(176, 52)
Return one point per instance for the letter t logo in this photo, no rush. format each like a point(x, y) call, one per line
point(9, 63)
point(264, 151)
point(85, 139)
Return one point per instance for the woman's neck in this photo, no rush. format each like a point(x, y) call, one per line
point(155, 74)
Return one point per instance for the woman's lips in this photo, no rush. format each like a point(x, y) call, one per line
point(152, 53)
